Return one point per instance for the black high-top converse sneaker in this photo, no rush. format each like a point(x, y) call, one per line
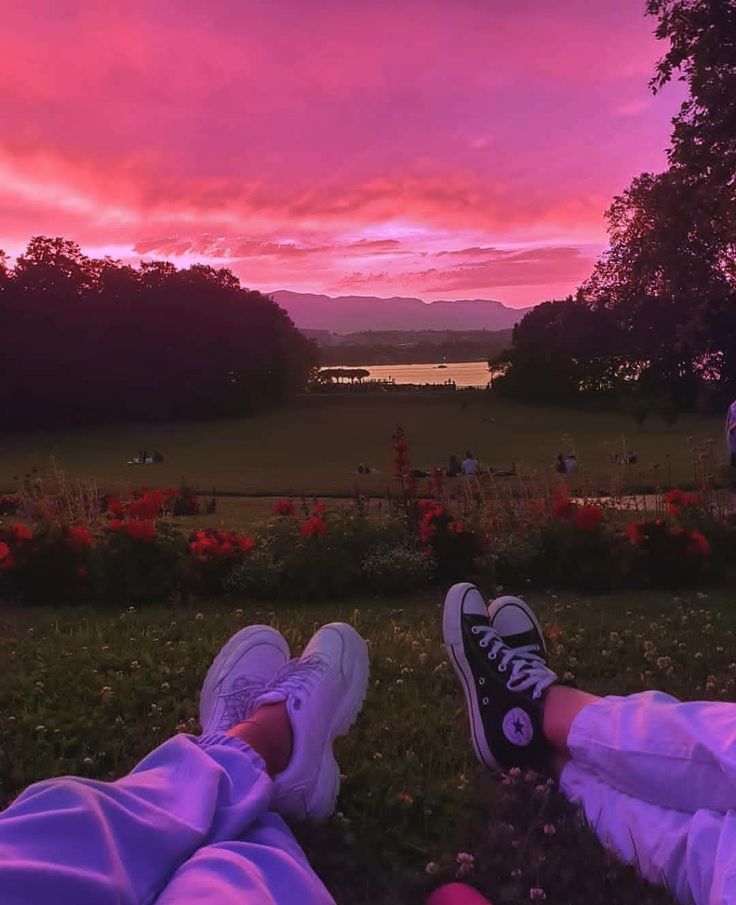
point(516, 623)
point(503, 688)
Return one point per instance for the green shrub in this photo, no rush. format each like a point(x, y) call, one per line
point(397, 568)
point(123, 568)
point(317, 558)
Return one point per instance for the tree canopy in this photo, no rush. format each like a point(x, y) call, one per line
point(86, 340)
point(664, 291)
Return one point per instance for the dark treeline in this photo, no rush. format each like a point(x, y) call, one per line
point(657, 318)
point(414, 353)
point(84, 341)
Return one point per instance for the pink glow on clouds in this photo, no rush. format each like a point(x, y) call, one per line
point(440, 148)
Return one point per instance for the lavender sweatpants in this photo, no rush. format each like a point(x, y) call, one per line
point(656, 779)
point(191, 823)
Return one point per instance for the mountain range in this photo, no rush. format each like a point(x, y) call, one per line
point(354, 313)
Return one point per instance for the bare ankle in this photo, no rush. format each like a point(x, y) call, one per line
point(268, 732)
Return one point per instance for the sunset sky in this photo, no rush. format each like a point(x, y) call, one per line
point(433, 148)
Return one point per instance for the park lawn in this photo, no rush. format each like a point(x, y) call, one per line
point(314, 445)
point(89, 692)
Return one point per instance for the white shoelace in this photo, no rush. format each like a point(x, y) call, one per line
point(239, 700)
point(528, 669)
point(299, 675)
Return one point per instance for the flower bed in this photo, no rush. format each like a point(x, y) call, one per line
point(114, 549)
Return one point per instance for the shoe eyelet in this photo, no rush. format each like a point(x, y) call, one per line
point(502, 668)
point(481, 681)
point(492, 656)
point(486, 701)
point(484, 643)
point(474, 630)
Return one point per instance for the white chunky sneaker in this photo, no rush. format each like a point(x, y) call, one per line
point(515, 622)
point(239, 674)
point(323, 692)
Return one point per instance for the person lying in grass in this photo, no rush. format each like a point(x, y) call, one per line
point(202, 819)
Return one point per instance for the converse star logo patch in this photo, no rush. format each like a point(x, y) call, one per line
point(517, 727)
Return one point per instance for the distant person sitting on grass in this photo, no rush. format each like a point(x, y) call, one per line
point(454, 468)
point(470, 464)
point(201, 819)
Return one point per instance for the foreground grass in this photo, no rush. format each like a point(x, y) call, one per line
point(315, 445)
point(90, 693)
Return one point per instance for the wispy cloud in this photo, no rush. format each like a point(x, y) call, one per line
point(412, 144)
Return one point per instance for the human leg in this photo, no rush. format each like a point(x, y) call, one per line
point(266, 866)
point(691, 850)
point(82, 841)
point(692, 854)
point(648, 745)
point(308, 703)
point(86, 841)
point(91, 842)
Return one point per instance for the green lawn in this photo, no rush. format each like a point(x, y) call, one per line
point(90, 693)
point(315, 445)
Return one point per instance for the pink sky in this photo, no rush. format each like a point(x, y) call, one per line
point(436, 148)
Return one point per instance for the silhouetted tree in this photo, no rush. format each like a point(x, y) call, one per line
point(86, 340)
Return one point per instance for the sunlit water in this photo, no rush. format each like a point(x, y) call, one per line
point(464, 373)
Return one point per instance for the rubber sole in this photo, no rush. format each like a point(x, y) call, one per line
point(240, 643)
point(452, 631)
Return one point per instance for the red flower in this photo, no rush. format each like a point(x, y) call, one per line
point(635, 533)
point(678, 499)
point(312, 526)
point(20, 534)
point(427, 526)
point(698, 545)
point(147, 507)
point(562, 505)
point(587, 518)
point(115, 508)
point(458, 527)
point(216, 544)
point(6, 556)
point(78, 538)
point(141, 531)
point(115, 524)
point(284, 507)
point(320, 509)
point(244, 544)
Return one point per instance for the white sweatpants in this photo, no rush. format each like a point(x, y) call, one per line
point(656, 779)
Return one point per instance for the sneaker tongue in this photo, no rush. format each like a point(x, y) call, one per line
point(476, 619)
point(269, 697)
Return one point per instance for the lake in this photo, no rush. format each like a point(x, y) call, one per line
point(464, 373)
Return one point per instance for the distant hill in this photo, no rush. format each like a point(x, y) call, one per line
point(355, 313)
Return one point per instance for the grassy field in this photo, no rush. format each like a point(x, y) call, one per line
point(315, 445)
point(90, 693)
